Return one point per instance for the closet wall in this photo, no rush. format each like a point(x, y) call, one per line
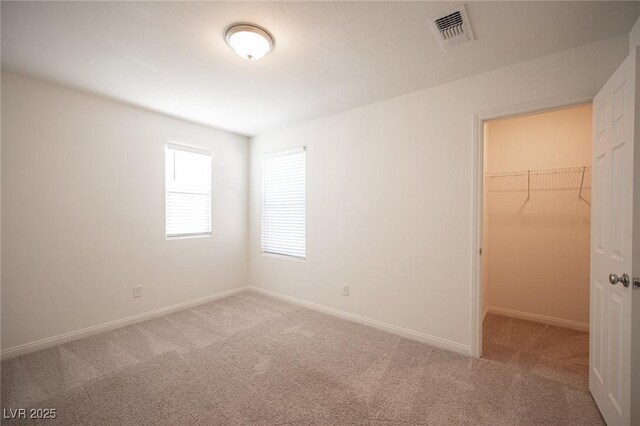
point(536, 250)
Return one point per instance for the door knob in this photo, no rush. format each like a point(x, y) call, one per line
point(614, 279)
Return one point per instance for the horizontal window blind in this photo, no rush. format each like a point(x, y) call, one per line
point(284, 203)
point(188, 191)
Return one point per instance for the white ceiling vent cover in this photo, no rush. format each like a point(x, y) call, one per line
point(452, 28)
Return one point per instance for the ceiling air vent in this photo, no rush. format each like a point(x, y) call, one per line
point(452, 28)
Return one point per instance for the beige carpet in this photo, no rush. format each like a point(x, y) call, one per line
point(250, 359)
point(555, 353)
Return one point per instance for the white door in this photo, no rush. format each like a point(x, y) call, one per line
point(615, 304)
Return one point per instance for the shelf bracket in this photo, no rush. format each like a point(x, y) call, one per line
point(581, 185)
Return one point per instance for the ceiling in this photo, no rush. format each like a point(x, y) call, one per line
point(171, 57)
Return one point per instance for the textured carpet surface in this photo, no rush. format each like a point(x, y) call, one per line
point(555, 353)
point(250, 359)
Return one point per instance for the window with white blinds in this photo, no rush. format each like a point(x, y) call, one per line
point(284, 203)
point(187, 191)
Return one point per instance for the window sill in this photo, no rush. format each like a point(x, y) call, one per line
point(284, 257)
point(187, 236)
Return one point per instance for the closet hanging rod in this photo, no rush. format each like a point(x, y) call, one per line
point(535, 172)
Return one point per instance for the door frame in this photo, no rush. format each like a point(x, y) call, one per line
point(479, 118)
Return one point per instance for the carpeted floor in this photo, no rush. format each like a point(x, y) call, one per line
point(250, 359)
point(555, 353)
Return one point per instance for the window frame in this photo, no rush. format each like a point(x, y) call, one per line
point(196, 150)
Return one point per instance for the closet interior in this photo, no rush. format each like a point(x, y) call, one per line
point(536, 242)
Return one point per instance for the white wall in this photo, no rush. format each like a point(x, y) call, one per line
point(83, 212)
point(390, 195)
point(537, 251)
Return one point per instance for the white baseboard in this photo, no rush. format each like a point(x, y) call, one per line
point(558, 322)
point(112, 325)
point(400, 331)
point(484, 314)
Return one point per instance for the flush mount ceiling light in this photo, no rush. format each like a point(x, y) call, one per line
point(249, 41)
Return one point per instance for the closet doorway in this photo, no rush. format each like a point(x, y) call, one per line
point(536, 243)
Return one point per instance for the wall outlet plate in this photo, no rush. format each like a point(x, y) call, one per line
point(345, 289)
point(137, 291)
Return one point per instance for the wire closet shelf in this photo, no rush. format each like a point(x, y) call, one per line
point(538, 172)
point(535, 172)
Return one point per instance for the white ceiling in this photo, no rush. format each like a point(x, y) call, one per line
point(330, 56)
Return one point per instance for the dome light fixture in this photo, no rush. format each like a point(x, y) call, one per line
point(249, 41)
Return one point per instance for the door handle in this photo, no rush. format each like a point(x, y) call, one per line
point(614, 279)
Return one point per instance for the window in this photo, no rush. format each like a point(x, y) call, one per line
point(284, 203)
point(188, 191)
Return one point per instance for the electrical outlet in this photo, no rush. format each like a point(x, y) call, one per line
point(137, 291)
point(345, 289)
